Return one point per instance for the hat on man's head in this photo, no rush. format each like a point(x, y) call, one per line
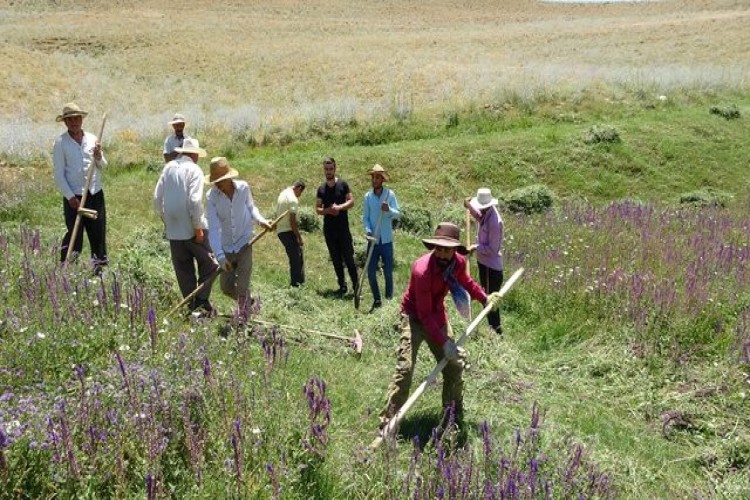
point(377, 169)
point(220, 170)
point(447, 235)
point(483, 199)
point(69, 110)
point(177, 118)
point(190, 145)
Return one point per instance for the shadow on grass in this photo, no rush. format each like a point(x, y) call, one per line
point(334, 294)
point(427, 426)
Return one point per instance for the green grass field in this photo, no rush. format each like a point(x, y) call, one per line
point(629, 349)
point(624, 367)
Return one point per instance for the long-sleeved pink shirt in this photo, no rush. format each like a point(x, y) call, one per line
point(424, 298)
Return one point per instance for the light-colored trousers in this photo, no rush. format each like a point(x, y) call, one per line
point(411, 335)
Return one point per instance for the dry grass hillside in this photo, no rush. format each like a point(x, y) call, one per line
point(269, 62)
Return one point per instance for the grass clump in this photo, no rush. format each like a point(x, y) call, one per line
point(308, 220)
point(530, 199)
point(601, 134)
point(728, 112)
point(414, 220)
point(706, 197)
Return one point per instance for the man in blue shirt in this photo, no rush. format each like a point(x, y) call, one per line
point(380, 210)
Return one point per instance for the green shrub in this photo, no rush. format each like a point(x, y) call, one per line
point(308, 220)
point(530, 199)
point(454, 212)
point(706, 197)
point(415, 220)
point(601, 133)
point(729, 112)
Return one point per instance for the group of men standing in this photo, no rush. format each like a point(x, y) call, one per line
point(218, 241)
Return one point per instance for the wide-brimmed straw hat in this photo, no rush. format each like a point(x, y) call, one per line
point(220, 170)
point(377, 169)
point(177, 118)
point(483, 199)
point(69, 110)
point(447, 235)
point(191, 145)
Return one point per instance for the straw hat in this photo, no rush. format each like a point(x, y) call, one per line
point(446, 235)
point(69, 110)
point(220, 170)
point(177, 118)
point(377, 169)
point(191, 145)
point(483, 199)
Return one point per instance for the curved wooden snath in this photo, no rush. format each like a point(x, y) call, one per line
point(393, 422)
point(82, 211)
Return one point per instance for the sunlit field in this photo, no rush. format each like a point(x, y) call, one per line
point(260, 65)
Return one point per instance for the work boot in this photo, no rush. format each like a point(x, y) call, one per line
point(376, 305)
point(341, 291)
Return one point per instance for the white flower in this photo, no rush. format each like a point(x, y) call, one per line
point(96, 302)
point(40, 335)
point(167, 356)
point(255, 430)
point(124, 347)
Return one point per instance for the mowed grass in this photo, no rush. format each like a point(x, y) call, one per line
point(653, 386)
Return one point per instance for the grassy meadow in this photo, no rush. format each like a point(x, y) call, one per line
point(623, 371)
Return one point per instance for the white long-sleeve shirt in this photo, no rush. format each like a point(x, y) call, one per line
point(178, 198)
point(71, 162)
point(172, 141)
point(230, 222)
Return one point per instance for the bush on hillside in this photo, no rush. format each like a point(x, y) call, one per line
point(729, 112)
point(601, 133)
point(530, 199)
point(706, 197)
point(454, 212)
point(308, 220)
point(415, 220)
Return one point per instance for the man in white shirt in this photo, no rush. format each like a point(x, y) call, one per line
point(175, 140)
point(231, 213)
point(178, 200)
point(73, 153)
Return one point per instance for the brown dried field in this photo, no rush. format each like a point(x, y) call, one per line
point(252, 64)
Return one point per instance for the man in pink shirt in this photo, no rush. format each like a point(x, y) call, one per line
point(423, 318)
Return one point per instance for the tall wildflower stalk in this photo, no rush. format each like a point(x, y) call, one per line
point(319, 416)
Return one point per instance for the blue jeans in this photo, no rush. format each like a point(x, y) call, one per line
point(382, 251)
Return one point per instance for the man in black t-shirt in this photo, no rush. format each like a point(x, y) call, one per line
point(334, 199)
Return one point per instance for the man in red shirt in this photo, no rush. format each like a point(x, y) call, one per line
point(423, 318)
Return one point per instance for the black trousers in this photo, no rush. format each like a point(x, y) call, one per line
point(491, 281)
point(296, 257)
point(341, 250)
point(96, 229)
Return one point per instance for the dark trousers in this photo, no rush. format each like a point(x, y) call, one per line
point(296, 257)
point(185, 254)
point(491, 281)
point(96, 229)
point(341, 250)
